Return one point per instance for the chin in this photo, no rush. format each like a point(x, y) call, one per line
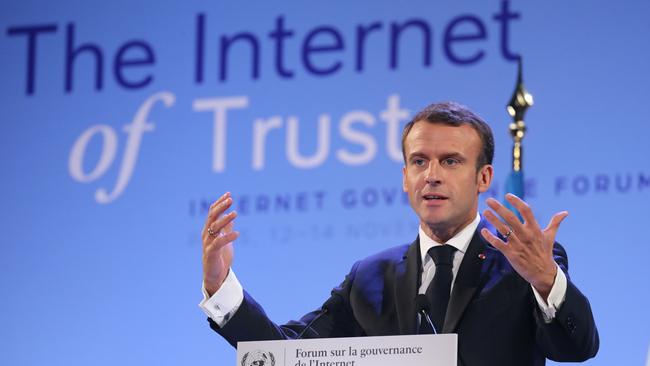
point(435, 221)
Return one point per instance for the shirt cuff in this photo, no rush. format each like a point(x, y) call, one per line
point(225, 302)
point(555, 297)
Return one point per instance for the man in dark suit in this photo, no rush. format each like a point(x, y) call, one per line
point(499, 282)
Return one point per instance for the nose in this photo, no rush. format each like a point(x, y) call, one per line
point(433, 174)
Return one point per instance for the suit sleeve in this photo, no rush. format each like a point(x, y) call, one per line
point(250, 322)
point(572, 336)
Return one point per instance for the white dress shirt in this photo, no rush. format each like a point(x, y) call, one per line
point(227, 299)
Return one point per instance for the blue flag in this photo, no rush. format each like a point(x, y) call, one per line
point(515, 185)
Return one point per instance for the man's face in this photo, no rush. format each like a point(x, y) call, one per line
point(441, 178)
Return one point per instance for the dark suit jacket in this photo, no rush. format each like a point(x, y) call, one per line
point(492, 309)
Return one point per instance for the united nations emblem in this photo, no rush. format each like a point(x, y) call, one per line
point(258, 358)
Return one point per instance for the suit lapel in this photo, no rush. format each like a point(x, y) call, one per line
point(407, 280)
point(475, 265)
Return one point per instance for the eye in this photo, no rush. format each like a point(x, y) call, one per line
point(418, 162)
point(450, 161)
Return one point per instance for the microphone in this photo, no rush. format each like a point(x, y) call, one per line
point(334, 301)
point(423, 307)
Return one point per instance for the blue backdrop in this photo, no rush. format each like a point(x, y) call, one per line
point(121, 121)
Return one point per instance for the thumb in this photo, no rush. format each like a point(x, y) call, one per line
point(556, 220)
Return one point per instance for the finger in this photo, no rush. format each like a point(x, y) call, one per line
point(217, 209)
point(228, 227)
point(214, 229)
point(214, 205)
point(524, 209)
point(221, 238)
point(496, 222)
point(219, 200)
point(555, 222)
point(508, 216)
point(220, 241)
point(218, 225)
point(495, 241)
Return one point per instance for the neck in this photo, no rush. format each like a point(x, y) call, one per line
point(442, 233)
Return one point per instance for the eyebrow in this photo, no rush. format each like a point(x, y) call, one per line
point(456, 155)
point(417, 154)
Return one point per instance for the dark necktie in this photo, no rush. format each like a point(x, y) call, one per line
point(440, 287)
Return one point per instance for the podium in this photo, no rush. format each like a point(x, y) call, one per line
point(411, 350)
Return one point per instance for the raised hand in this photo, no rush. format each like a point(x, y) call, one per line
point(528, 248)
point(217, 237)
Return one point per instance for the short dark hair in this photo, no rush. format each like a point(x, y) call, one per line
point(455, 114)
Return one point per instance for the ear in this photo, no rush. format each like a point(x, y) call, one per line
point(404, 186)
point(484, 177)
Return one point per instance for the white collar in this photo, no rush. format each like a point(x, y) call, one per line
point(460, 241)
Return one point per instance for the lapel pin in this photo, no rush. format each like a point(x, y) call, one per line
point(481, 256)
